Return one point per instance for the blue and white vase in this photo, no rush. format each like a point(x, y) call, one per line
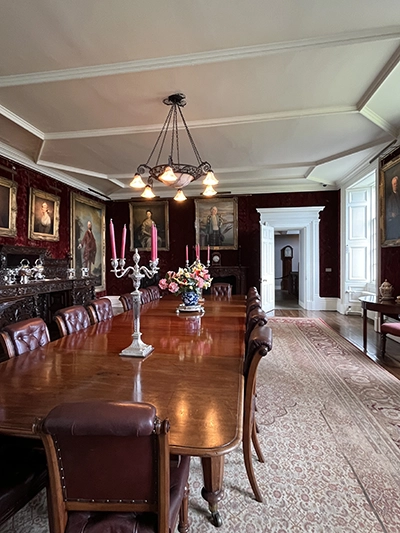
point(190, 298)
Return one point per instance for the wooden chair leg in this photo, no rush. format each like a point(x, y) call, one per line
point(256, 444)
point(247, 430)
point(383, 344)
point(183, 525)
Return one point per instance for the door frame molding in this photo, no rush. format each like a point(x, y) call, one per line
point(305, 219)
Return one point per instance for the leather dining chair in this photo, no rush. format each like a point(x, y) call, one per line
point(110, 469)
point(99, 310)
point(24, 336)
point(259, 345)
point(391, 328)
point(221, 289)
point(23, 473)
point(71, 319)
point(126, 300)
point(23, 469)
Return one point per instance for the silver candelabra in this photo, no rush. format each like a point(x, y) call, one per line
point(138, 348)
point(196, 262)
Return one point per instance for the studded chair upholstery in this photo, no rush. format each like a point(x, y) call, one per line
point(154, 292)
point(71, 319)
point(24, 336)
point(145, 296)
point(260, 343)
point(110, 469)
point(126, 300)
point(221, 289)
point(391, 328)
point(99, 310)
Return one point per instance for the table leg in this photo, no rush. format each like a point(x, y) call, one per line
point(365, 329)
point(213, 492)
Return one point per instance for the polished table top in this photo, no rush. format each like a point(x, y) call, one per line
point(193, 376)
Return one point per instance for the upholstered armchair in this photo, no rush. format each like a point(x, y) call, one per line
point(391, 328)
point(71, 319)
point(110, 469)
point(100, 310)
point(126, 300)
point(24, 336)
point(221, 289)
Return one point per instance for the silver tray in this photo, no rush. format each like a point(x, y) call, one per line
point(190, 309)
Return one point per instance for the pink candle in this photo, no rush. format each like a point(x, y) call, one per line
point(153, 242)
point(187, 253)
point(123, 242)
point(112, 239)
point(197, 251)
point(208, 253)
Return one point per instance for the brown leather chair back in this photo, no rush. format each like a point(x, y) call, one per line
point(145, 296)
point(107, 457)
point(100, 310)
point(221, 289)
point(154, 292)
point(255, 303)
point(126, 300)
point(24, 336)
point(255, 317)
point(253, 291)
point(71, 319)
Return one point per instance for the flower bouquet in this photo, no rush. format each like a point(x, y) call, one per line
point(189, 282)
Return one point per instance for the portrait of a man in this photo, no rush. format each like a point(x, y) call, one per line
point(390, 203)
point(4, 207)
point(216, 223)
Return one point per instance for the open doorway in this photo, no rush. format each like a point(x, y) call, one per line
point(306, 221)
point(287, 261)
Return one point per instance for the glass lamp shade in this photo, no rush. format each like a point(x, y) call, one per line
point(137, 182)
point(148, 193)
point(210, 179)
point(168, 176)
point(180, 196)
point(209, 191)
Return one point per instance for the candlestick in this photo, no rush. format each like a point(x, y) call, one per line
point(123, 242)
point(137, 348)
point(208, 254)
point(112, 239)
point(153, 242)
point(197, 251)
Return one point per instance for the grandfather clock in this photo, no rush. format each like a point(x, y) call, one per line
point(286, 256)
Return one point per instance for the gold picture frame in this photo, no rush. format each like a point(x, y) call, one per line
point(88, 244)
point(8, 208)
point(220, 233)
point(44, 216)
point(390, 203)
point(141, 216)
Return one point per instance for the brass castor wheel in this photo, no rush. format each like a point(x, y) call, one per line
point(216, 519)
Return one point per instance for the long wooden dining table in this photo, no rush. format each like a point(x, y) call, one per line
point(193, 377)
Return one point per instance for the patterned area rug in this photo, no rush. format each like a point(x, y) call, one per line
point(329, 421)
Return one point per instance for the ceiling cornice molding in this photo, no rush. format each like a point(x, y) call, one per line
point(380, 79)
point(379, 121)
point(76, 170)
point(22, 159)
point(217, 56)
point(21, 122)
point(207, 123)
point(352, 151)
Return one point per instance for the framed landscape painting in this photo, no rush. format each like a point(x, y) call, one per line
point(44, 216)
point(389, 196)
point(88, 237)
point(142, 216)
point(217, 223)
point(8, 208)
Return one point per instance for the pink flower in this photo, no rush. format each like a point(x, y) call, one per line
point(200, 283)
point(163, 284)
point(173, 287)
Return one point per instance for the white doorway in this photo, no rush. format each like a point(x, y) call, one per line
point(306, 220)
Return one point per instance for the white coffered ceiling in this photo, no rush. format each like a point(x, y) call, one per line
point(281, 96)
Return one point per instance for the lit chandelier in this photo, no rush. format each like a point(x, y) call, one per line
point(173, 173)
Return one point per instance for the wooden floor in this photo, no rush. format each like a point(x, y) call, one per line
point(349, 327)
